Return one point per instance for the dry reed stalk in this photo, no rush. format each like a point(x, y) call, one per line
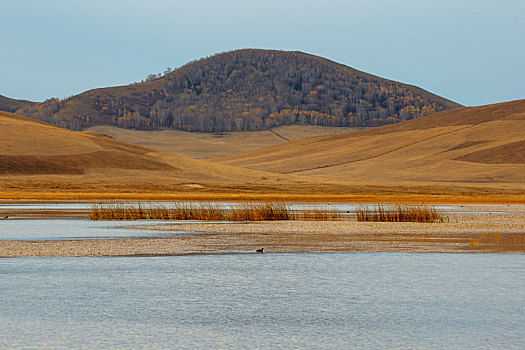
point(399, 213)
point(245, 211)
point(190, 211)
point(318, 213)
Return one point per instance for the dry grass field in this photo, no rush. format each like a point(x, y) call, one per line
point(478, 146)
point(207, 145)
point(464, 155)
point(39, 158)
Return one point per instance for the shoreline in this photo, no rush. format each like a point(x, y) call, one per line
point(464, 233)
point(487, 228)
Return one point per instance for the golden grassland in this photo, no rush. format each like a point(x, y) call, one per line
point(198, 145)
point(464, 146)
point(467, 155)
point(57, 191)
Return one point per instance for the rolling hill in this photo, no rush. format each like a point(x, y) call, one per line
point(39, 152)
point(475, 145)
point(246, 90)
point(198, 145)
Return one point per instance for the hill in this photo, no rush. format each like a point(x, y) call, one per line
point(482, 145)
point(246, 90)
point(37, 152)
point(41, 161)
point(199, 145)
point(11, 105)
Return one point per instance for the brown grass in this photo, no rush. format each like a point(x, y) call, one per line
point(399, 213)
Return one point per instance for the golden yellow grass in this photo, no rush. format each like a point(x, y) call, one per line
point(32, 147)
point(464, 145)
point(39, 161)
point(42, 152)
point(208, 145)
point(162, 189)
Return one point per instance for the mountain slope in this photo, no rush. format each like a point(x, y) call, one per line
point(246, 90)
point(477, 144)
point(11, 105)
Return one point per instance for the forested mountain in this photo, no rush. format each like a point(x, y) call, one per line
point(246, 90)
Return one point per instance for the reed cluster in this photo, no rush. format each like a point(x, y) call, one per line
point(318, 213)
point(190, 211)
point(399, 213)
point(263, 211)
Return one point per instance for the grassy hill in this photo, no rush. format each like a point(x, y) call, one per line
point(41, 161)
point(38, 152)
point(476, 145)
point(212, 145)
point(246, 90)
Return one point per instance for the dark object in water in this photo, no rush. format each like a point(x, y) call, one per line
point(259, 250)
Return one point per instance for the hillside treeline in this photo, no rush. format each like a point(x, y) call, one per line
point(246, 90)
point(12, 105)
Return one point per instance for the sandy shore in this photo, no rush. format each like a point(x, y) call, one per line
point(464, 233)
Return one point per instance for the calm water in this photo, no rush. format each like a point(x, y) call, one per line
point(66, 229)
point(351, 300)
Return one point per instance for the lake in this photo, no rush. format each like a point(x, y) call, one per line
point(267, 301)
point(69, 229)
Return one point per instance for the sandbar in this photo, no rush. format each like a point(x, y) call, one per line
point(463, 233)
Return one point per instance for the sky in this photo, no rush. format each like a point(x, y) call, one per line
point(469, 51)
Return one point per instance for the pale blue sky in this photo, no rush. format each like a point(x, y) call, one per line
point(470, 51)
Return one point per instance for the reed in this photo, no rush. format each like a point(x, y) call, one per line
point(244, 211)
point(399, 213)
point(191, 211)
point(318, 213)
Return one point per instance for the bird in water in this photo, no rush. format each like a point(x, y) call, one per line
point(259, 250)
